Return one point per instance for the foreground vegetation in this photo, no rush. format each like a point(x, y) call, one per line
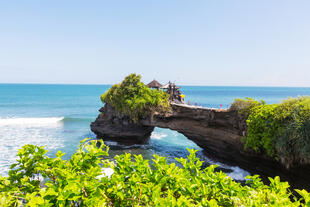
point(280, 130)
point(38, 180)
point(133, 98)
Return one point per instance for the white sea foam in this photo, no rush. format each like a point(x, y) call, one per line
point(237, 173)
point(157, 135)
point(16, 132)
point(30, 121)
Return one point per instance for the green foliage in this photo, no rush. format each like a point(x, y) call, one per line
point(135, 182)
point(244, 106)
point(262, 129)
point(133, 98)
point(282, 130)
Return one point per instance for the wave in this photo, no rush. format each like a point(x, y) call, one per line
point(236, 172)
point(40, 121)
point(17, 132)
point(31, 121)
point(157, 135)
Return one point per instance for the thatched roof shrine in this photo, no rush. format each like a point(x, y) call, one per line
point(154, 84)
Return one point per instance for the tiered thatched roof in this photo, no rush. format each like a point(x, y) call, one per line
point(154, 84)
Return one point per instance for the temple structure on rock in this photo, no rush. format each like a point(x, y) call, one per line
point(174, 91)
point(154, 84)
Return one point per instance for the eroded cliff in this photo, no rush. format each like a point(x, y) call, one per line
point(219, 132)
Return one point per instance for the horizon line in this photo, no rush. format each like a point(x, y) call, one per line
point(108, 84)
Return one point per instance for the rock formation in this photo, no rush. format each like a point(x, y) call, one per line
point(113, 126)
point(219, 132)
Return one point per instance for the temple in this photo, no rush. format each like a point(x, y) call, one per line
point(174, 91)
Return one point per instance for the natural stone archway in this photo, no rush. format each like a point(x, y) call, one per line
point(195, 123)
point(219, 132)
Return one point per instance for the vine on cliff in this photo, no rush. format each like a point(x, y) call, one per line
point(135, 99)
point(281, 130)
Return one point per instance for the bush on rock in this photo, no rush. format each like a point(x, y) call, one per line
point(135, 99)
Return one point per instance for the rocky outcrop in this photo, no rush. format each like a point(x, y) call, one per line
point(113, 126)
point(206, 127)
point(214, 130)
point(219, 132)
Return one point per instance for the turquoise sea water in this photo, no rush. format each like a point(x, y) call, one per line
point(58, 116)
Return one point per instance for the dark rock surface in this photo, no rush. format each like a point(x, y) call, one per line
point(112, 126)
point(218, 132)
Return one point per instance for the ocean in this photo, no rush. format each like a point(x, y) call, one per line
point(58, 117)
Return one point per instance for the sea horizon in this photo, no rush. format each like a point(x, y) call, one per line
point(95, 84)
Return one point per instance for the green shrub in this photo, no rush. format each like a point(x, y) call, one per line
point(263, 127)
point(133, 98)
point(293, 145)
point(244, 106)
point(281, 130)
point(135, 182)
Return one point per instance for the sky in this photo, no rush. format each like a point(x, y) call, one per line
point(191, 42)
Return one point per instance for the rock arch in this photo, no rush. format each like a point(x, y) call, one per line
point(219, 132)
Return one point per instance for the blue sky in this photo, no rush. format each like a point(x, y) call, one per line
point(208, 42)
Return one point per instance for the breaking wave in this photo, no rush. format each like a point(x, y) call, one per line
point(40, 121)
point(158, 135)
point(16, 132)
point(30, 121)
